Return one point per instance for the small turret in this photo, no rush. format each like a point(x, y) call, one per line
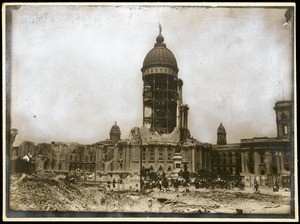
point(115, 133)
point(221, 134)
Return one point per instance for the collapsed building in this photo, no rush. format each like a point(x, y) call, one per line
point(164, 141)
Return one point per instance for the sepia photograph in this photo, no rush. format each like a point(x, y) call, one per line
point(149, 112)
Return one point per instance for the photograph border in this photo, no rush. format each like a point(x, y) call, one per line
point(116, 216)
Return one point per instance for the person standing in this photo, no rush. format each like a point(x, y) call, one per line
point(256, 187)
point(114, 183)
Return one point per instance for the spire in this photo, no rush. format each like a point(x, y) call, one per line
point(160, 28)
point(160, 38)
point(115, 123)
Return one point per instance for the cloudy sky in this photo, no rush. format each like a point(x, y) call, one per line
point(77, 69)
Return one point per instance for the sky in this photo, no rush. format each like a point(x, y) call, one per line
point(77, 69)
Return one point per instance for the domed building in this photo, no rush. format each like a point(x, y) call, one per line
point(164, 143)
point(165, 130)
point(162, 88)
point(115, 133)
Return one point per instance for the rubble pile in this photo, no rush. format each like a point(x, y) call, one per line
point(52, 193)
point(35, 193)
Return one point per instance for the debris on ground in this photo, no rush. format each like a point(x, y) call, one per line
point(50, 192)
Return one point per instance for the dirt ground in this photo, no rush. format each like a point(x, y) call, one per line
point(42, 193)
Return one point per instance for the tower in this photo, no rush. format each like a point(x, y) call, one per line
point(161, 88)
point(115, 133)
point(284, 115)
point(221, 134)
point(183, 122)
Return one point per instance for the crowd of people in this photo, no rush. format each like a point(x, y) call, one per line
point(163, 183)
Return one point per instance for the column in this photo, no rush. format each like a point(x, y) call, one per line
point(146, 154)
point(153, 101)
point(246, 158)
point(200, 158)
point(282, 161)
point(278, 163)
point(167, 103)
point(268, 162)
point(187, 119)
point(256, 163)
point(193, 160)
point(243, 162)
point(165, 158)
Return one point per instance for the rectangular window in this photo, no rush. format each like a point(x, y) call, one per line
point(177, 165)
point(285, 130)
point(161, 154)
point(151, 154)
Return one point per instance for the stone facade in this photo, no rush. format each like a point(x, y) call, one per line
point(226, 159)
point(266, 160)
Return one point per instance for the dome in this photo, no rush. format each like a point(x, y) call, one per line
point(221, 129)
point(160, 55)
point(115, 129)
